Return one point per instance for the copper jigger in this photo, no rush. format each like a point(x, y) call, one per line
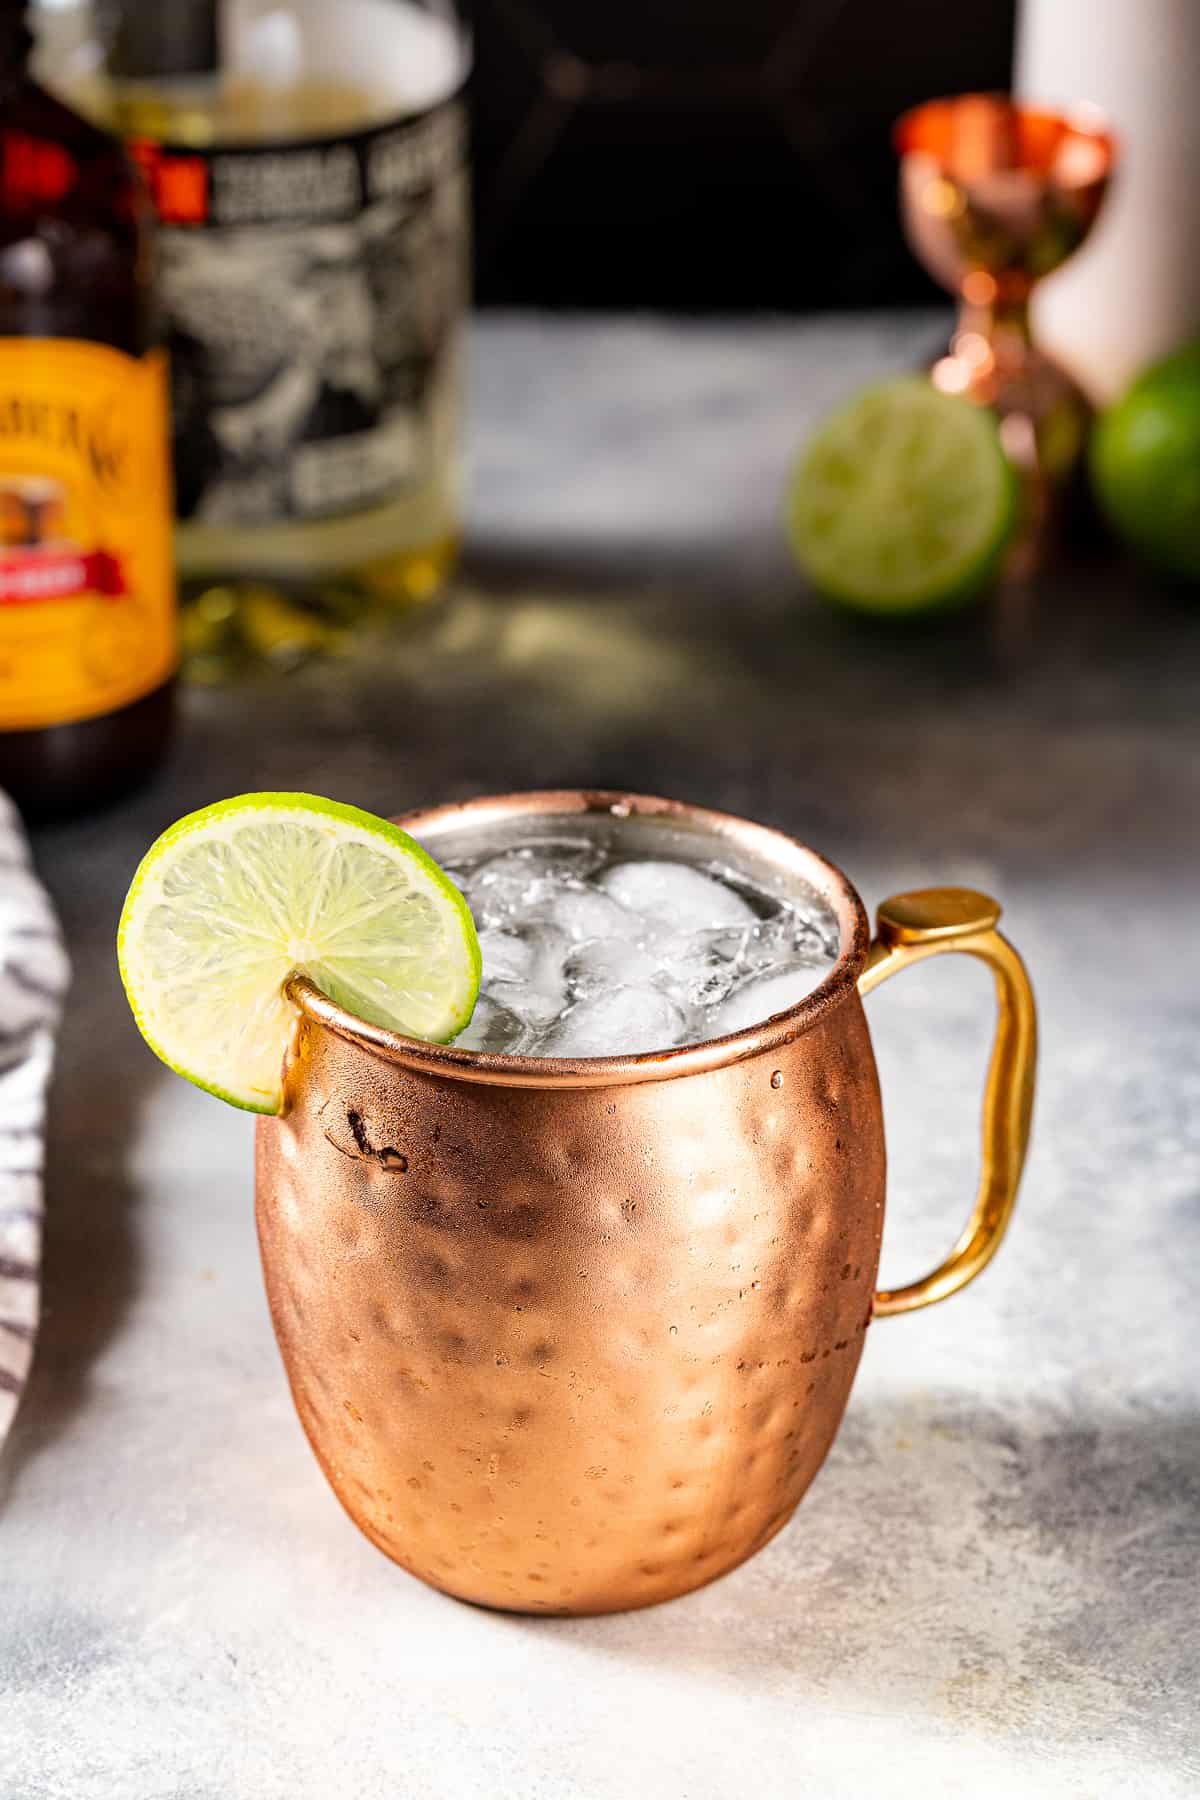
point(994, 196)
point(573, 1336)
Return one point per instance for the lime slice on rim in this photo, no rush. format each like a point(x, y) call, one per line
point(903, 501)
point(233, 899)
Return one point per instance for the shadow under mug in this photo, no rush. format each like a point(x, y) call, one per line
point(575, 1336)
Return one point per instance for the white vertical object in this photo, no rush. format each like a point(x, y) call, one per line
point(1133, 292)
point(33, 980)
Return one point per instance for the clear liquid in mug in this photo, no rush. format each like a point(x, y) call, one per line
point(589, 950)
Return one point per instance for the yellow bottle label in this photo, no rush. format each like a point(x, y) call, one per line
point(87, 590)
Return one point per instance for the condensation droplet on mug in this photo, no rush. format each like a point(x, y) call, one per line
point(777, 1078)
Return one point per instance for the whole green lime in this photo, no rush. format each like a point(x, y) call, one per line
point(1145, 464)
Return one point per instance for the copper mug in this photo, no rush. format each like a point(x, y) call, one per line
point(575, 1336)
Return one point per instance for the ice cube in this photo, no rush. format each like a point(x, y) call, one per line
point(494, 1028)
point(516, 885)
point(601, 964)
point(507, 888)
point(699, 968)
point(571, 858)
point(627, 1022)
point(584, 913)
point(507, 956)
point(755, 1001)
point(674, 896)
point(789, 936)
point(523, 970)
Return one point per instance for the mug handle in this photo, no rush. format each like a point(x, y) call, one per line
point(945, 921)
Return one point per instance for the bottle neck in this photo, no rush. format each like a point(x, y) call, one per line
point(164, 41)
point(16, 43)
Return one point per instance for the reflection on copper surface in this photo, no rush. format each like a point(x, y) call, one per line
point(994, 196)
point(976, 136)
point(978, 287)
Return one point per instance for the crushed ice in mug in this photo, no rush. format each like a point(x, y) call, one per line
point(589, 952)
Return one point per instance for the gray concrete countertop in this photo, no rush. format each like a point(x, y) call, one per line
point(990, 1590)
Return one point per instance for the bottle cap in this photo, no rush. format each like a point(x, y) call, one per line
point(164, 39)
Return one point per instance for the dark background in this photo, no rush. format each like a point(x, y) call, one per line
point(707, 155)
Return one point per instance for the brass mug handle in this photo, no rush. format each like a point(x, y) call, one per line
point(944, 921)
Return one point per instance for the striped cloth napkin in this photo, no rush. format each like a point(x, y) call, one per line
point(34, 973)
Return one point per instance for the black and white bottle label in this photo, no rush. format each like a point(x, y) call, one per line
point(313, 294)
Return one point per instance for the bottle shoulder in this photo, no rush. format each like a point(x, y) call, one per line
point(29, 107)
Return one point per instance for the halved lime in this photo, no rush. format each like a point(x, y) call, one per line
point(903, 501)
point(235, 898)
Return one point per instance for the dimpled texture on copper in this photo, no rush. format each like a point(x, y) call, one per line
point(573, 1349)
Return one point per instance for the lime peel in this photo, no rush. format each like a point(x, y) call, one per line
point(1145, 464)
point(233, 899)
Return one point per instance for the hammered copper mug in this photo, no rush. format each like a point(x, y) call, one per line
point(574, 1336)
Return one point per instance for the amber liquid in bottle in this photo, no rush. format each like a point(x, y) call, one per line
point(86, 603)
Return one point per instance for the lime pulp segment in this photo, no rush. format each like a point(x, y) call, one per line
point(232, 900)
point(903, 500)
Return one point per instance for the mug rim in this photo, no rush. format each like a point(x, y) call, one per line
point(495, 1070)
